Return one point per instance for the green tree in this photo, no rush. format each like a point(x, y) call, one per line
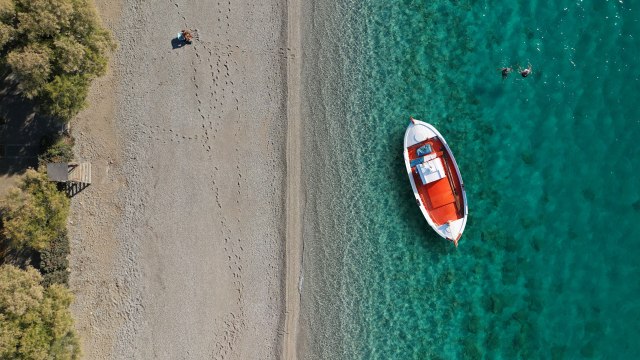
point(35, 213)
point(35, 323)
point(5, 34)
point(54, 48)
point(7, 13)
point(7, 9)
point(69, 54)
point(66, 95)
point(40, 19)
point(31, 65)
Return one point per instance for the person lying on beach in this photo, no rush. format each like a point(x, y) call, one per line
point(187, 36)
point(525, 72)
point(505, 72)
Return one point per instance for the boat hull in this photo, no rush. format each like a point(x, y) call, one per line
point(435, 180)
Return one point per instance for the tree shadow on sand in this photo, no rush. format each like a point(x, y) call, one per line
point(21, 131)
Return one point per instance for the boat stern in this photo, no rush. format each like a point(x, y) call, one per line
point(452, 230)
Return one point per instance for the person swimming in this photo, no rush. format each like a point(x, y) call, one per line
point(525, 72)
point(505, 72)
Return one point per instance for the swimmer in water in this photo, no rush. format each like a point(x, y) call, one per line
point(525, 72)
point(505, 72)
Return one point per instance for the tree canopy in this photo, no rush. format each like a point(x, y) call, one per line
point(35, 323)
point(53, 48)
point(34, 213)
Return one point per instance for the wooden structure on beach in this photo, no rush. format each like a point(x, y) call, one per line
point(75, 176)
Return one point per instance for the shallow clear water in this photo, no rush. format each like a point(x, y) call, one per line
point(547, 267)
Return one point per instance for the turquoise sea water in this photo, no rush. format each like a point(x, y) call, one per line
point(548, 265)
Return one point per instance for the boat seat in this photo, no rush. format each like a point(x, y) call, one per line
point(442, 199)
point(440, 193)
point(421, 160)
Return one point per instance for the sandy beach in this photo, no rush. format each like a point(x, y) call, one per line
point(183, 247)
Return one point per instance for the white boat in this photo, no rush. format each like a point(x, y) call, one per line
point(435, 180)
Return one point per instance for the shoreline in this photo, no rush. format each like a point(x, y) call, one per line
point(294, 200)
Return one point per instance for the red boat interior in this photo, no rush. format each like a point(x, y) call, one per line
point(443, 197)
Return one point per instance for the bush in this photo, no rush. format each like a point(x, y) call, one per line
point(54, 48)
point(35, 323)
point(58, 149)
point(54, 263)
point(35, 213)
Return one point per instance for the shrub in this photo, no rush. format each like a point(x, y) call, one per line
point(35, 213)
point(54, 263)
point(35, 323)
point(58, 149)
